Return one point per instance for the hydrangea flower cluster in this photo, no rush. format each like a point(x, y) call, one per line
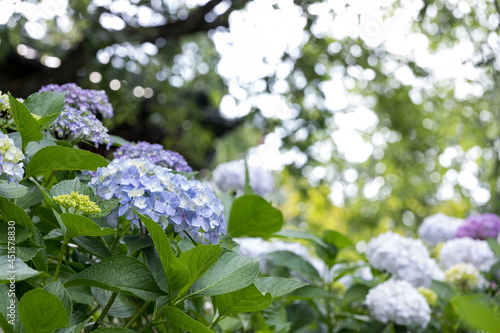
point(76, 201)
point(4, 102)
point(464, 276)
point(405, 258)
point(480, 227)
point(398, 302)
point(76, 125)
point(438, 228)
point(231, 176)
point(429, 295)
point(85, 100)
point(10, 159)
point(467, 250)
point(168, 199)
point(155, 154)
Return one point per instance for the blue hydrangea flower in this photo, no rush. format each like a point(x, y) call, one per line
point(167, 198)
point(10, 159)
point(76, 125)
point(85, 100)
point(155, 154)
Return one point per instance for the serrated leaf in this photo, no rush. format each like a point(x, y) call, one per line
point(57, 289)
point(93, 245)
point(54, 233)
point(199, 260)
point(119, 273)
point(22, 233)
point(12, 191)
point(278, 286)
point(253, 216)
point(179, 318)
point(176, 272)
point(19, 269)
point(12, 212)
point(248, 299)
point(25, 123)
point(62, 158)
point(77, 225)
point(40, 261)
point(121, 307)
point(296, 263)
point(68, 186)
point(41, 312)
point(137, 242)
point(47, 105)
point(48, 198)
point(5, 311)
point(231, 272)
point(31, 198)
point(81, 295)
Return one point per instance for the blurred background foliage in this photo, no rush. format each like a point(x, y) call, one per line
point(383, 112)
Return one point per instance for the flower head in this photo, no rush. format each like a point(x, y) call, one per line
point(430, 296)
point(231, 176)
point(85, 100)
point(155, 154)
point(467, 250)
point(463, 275)
point(79, 202)
point(438, 228)
point(189, 206)
point(76, 125)
point(405, 258)
point(480, 227)
point(10, 159)
point(4, 102)
point(399, 302)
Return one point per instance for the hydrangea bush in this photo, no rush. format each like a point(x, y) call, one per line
point(143, 246)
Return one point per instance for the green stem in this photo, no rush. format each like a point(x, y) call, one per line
point(47, 182)
point(107, 307)
point(59, 259)
point(329, 316)
point(137, 314)
point(214, 322)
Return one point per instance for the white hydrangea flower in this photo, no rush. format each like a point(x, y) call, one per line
point(231, 176)
point(467, 250)
point(439, 228)
point(399, 302)
point(464, 275)
point(405, 258)
point(10, 159)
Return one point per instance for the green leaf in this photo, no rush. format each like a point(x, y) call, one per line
point(443, 290)
point(57, 289)
point(355, 294)
point(40, 261)
point(253, 216)
point(494, 246)
point(479, 312)
point(68, 186)
point(8, 311)
point(78, 225)
point(54, 233)
point(177, 273)
point(41, 312)
point(12, 191)
point(93, 245)
point(18, 268)
point(232, 272)
point(31, 198)
point(248, 299)
point(334, 238)
point(295, 263)
point(81, 295)
point(62, 158)
point(119, 273)
point(47, 105)
point(312, 292)
point(121, 307)
point(137, 242)
point(12, 212)
point(118, 141)
point(48, 198)
point(76, 328)
point(296, 234)
point(26, 124)
point(199, 260)
point(22, 233)
point(278, 286)
point(179, 318)
point(113, 330)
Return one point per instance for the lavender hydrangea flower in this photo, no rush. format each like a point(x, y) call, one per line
point(480, 227)
point(155, 154)
point(76, 125)
point(167, 198)
point(231, 176)
point(10, 159)
point(85, 100)
point(405, 258)
point(438, 228)
point(467, 250)
point(398, 302)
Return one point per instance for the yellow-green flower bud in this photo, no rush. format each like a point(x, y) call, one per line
point(429, 295)
point(79, 202)
point(463, 275)
point(35, 116)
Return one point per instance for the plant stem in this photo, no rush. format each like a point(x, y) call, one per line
point(59, 259)
point(137, 314)
point(107, 307)
point(214, 322)
point(47, 182)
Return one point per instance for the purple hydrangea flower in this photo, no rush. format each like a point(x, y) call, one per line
point(85, 100)
point(167, 198)
point(155, 154)
point(480, 227)
point(76, 125)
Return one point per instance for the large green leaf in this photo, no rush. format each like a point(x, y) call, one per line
point(479, 311)
point(47, 105)
point(179, 318)
point(278, 286)
point(137, 242)
point(17, 268)
point(335, 238)
point(231, 272)
point(8, 310)
point(26, 124)
point(12, 191)
point(12, 212)
point(57, 289)
point(93, 245)
point(248, 299)
point(296, 234)
point(41, 312)
point(177, 273)
point(199, 260)
point(296, 263)
point(119, 273)
point(253, 216)
point(77, 225)
point(355, 294)
point(68, 186)
point(121, 307)
point(62, 158)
